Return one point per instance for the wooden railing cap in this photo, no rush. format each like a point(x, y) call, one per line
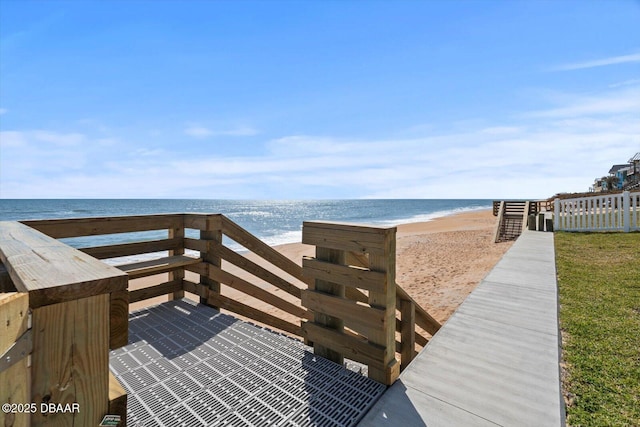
point(51, 271)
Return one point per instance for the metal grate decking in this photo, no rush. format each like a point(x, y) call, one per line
point(188, 364)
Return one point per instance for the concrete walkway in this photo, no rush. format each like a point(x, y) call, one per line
point(496, 360)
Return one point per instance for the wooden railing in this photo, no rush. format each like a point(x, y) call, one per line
point(56, 308)
point(354, 299)
point(209, 230)
point(345, 300)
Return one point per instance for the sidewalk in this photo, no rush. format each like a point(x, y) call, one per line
point(496, 360)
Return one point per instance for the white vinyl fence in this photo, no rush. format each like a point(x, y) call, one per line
point(614, 212)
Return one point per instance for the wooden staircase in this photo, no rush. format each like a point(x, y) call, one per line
point(512, 219)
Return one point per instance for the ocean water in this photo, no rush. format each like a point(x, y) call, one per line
point(273, 221)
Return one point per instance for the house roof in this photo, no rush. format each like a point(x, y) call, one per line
point(635, 158)
point(616, 168)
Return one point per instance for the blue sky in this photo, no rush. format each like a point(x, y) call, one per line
point(315, 99)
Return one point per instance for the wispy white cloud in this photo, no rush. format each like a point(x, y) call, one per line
point(198, 131)
point(613, 60)
point(535, 155)
point(630, 82)
point(626, 100)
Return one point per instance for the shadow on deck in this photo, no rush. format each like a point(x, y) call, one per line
point(188, 364)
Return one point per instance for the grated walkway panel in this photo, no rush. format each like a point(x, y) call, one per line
point(187, 364)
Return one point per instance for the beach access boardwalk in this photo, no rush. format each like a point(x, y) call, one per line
point(496, 360)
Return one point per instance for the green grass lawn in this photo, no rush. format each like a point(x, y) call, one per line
point(599, 284)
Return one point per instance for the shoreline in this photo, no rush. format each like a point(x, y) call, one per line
point(438, 262)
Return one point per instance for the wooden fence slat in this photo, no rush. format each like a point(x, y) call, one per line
point(176, 275)
point(255, 269)
point(155, 291)
point(77, 227)
point(351, 346)
point(362, 319)
point(128, 249)
point(257, 246)
point(407, 333)
point(423, 318)
point(347, 239)
point(243, 286)
point(355, 277)
point(156, 266)
point(418, 338)
point(14, 382)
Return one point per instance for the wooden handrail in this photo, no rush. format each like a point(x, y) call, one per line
point(423, 319)
point(70, 299)
point(257, 246)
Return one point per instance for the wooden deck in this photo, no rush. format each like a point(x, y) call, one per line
point(496, 360)
point(188, 364)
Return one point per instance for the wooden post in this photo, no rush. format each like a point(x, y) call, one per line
point(338, 304)
point(541, 221)
point(70, 299)
point(386, 338)
point(213, 235)
point(14, 374)
point(70, 361)
point(626, 209)
point(407, 332)
point(333, 256)
point(177, 233)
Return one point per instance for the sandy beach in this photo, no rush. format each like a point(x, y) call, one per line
point(439, 262)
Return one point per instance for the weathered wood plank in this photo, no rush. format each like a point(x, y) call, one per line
point(386, 301)
point(14, 382)
point(257, 246)
point(351, 346)
point(333, 322)
point(255, 269)
point(76, 227)
point(221, 301)
point(51, 271)
point(117, 400)
point(177, 275)
point(418, 338)
point(127, 249)
point(362, 319)
point(118, 319)
point(70, 360)
point(423, 318)
point(155, 291)
point(356, 295)
point(407, 333)
point(243, 286)
point(212, 235)
point(354, 277)
point(203, 221)
point(157, 266)
point(197, 244)
point(347, 237)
